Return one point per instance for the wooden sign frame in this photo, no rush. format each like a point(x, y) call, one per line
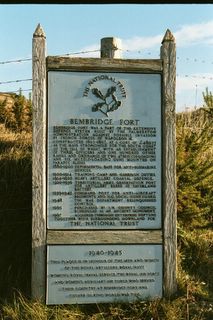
point(41, 237)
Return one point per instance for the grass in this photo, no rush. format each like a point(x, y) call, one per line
point(182, 307)
point(15, 211)
point(194, 298)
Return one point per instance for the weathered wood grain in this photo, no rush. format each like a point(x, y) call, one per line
point(104, 236)
point(39, 165)
point(42, 237)
point(110, 48)
point(104, 64)
point(168, 55)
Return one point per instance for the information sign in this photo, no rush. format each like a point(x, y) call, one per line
point(103, 273)
point(104, 150)
point(104, 186)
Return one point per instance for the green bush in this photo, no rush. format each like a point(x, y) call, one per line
point(194, 168)
point(16, 115)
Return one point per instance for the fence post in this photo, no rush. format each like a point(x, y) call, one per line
point(168, 56)
point(111, 48)
point(39, 164)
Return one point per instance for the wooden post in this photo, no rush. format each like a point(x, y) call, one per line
point(111, 48)
point(168, 55)
point(39, 165)
point(40, 236)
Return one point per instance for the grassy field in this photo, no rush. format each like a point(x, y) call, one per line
point(194, 298)
point(15, 211)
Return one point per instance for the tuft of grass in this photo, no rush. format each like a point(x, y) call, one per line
point(179, 308)
point(195, 258)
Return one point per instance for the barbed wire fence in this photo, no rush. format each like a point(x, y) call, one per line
point(142, 55)
point(86, 52)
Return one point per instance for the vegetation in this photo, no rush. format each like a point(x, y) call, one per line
point(194, 299)
point(16, 115)
point(178, 309)
point(15, 210)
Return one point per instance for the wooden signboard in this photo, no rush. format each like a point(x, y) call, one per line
point(104, 189)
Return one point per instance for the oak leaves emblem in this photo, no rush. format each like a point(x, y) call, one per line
point(109, 101)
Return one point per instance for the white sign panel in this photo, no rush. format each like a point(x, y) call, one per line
point(104, 150)
point(78, 274)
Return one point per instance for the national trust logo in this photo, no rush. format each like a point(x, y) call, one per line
point(109, 97)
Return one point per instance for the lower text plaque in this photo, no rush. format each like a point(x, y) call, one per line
point(103, 273)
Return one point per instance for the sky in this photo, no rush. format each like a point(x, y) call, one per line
point(76, 28)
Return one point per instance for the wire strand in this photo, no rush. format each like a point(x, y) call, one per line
point(15, 61)
point(13, 81)
point(76, 53)
point(187, 59)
